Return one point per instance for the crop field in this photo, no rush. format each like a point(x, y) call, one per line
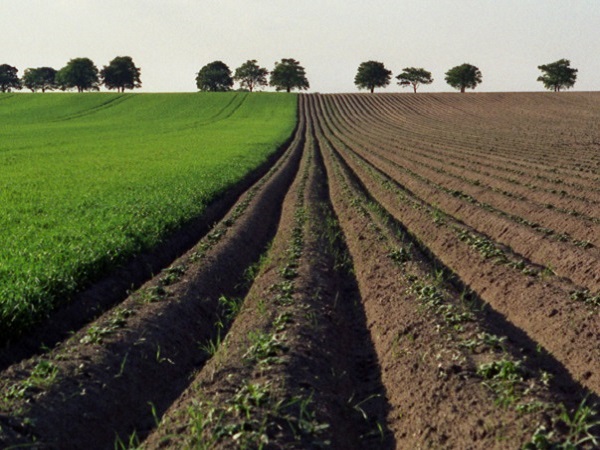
point(88, 181)
point(412, 271)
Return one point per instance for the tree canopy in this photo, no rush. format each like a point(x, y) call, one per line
point(41, 78)
point(288, 74)
point(214, 77)
point(120, 74)
point(465, 76)
point(80, 73)
point(8, 78)
point(372, 74)
point(558, 75)
point(250, 75)
point(411, 76)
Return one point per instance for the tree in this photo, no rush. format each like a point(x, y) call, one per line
point(372, 74)
point(9, 78)
point(250, 75)
point(288, 74)
point(41, 78)
point(61, 79)
point(80, 73)
point(120, 74)
point(214, 77)
point(558, 75)
point(463, 77)
point(411, 76)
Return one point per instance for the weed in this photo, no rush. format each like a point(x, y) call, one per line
point(230, 307)
point(532, 407)
point(578, 430)
point(253, 269)
point(211, 346)
point(215, 235)
point(289, 271)
point(486, 340)
point(133, 442)
point(453, 317)
point(440, 277)
point(201, 417)
point(172, 274)
point(159, 358)
point(249, 397)
point(96, 333)
point(583, 244)
point(200, 252)
point(154, 413)
point(261, 307)
point(428, 294)
point(358, 406)
point(265, 348)
point(305, 422)
point(249, 415)
point(586, 297)
point(483, 245)
point(152, 294)
point(438, 216)
point(504, 370)
point(518, 264)
point(547, 272)
point(284, 292)
point(503, 378)
point(399, 255)
point(41, 377)
point(281, 321)
point(122, 366)
point(239, 418)
point(583, 425)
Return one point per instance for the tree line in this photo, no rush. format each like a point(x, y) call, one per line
point(121, 73)
point(79, 73)
point(287, 75)
point(373, 74)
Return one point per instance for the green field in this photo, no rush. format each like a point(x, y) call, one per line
point(87, 180)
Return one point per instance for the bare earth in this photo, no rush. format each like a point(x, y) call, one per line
point(411, 271)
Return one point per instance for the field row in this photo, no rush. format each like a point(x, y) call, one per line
point(348, 299)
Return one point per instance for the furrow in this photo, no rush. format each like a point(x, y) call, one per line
point(113, 372)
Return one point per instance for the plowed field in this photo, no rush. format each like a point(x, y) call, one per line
point(415, 271)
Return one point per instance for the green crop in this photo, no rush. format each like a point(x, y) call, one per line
point(87, 181)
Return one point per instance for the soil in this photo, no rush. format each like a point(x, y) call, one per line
point(342, 302)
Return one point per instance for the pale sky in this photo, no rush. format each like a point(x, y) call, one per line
point(170, 40)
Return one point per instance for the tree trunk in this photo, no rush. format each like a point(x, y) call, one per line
point(462, 89)
point(288, 89)
point(372, 89)
point(415, 88)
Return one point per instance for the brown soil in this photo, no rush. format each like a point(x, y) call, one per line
point(334, 306)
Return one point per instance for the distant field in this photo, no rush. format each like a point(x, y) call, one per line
point(88, 180)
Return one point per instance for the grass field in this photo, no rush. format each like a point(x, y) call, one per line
point(88, 180)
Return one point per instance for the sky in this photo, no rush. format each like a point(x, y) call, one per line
point(170, 40)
